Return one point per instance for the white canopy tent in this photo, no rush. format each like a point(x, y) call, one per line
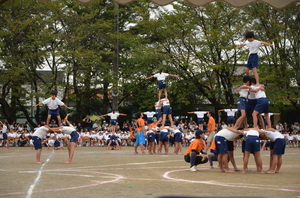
point(236, 3)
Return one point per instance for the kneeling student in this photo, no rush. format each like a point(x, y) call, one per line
point(193, 154)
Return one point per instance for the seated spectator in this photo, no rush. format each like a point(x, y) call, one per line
point(22, 140)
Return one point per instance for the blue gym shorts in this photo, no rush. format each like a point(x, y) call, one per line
point(252, 61)
point(252, 144)
point(242, 103)
point(74, 136)
point(140, 139)
point(250, 105)
point(167, 110)
point(178, 137)
point(221, 145)
point(150, 137)
point(278, 146)
point(158, 113)
point(37, 142)
point(230, 146)
point(113, 122)
point(149, 120)
point(262, 105)
point(200, 120)
point(163, 137)
point(230, 120)
point(4, 136)
point(53, 112)
point(162, 84)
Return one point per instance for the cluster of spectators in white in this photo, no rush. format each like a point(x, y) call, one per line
point(99, 133)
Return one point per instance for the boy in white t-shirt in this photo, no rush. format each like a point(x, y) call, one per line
point(53, 109)
point(161, 77)
point(253, 46)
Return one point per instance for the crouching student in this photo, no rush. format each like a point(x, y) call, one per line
point(277, 149)
point(193, 154)
point(74, 138)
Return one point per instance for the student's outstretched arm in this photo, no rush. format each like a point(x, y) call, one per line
point(37, 104)
point(241, 46)
point(67, 107)
point(149, 77)
point(265, 43)
point(235, 130)
point(174, 75)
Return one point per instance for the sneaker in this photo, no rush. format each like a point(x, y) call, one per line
point(193, 169)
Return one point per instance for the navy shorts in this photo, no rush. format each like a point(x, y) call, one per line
point(37, 142)
point(242, 102)
point(252, 61)
point(178, 137)
point(74, 136)
point(53, 112)
point(221, 145)
point(150, 137)
point(149, 120)
point(56, 143)
point(230, 120)
point(230, 146)
point(278, 146)
point(252, 144)
point(262, 105)
point(113, 122)
point(250, 105)
point(4, 136)
point(158, 113)
point(162, 84)
point(167, 110)
point(163, 137)
point(200, 120)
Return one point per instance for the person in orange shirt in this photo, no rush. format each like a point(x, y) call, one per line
point(211, 127)
point(140, 134)
point(193, 154)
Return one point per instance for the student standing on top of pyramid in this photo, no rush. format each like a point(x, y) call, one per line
point(253, 46)
point(161, 77)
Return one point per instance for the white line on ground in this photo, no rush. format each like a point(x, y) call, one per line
point(29, 193)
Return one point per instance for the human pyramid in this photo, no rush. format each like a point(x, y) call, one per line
point(219, 146)
point(253, 101)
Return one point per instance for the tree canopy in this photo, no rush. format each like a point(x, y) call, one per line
point(199, 44)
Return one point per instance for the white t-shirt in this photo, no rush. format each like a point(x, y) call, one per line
point(149, 114)
point(165, 102)
point(230, 112)
point(41, 132)
point(260, 93)
point(113, 116)
point(67, 129)
point(161, 76)
point(251, 132)
point(272, 136)
point(158, 105)
point(200, 114)
point(244, 93)
point(53, 104)
point(227, 134)
point(253, 46)
point(4, 129)
point(252, 95)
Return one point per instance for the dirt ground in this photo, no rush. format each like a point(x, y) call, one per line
point(96, 172)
